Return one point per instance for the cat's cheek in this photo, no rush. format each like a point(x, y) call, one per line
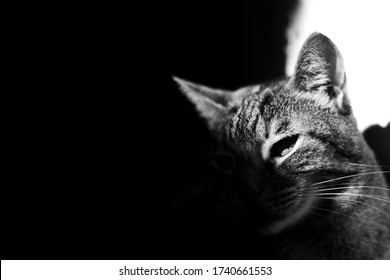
point(346, 202)
point(293, 215)
point(291, 220)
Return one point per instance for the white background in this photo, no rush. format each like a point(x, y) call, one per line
point(361, 31)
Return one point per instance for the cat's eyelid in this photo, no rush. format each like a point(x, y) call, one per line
point(268, 144)
point(279, 160)
point(267, 147)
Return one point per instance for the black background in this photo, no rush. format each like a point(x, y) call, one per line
point(106, 143)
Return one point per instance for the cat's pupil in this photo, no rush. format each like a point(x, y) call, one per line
point(284, 146)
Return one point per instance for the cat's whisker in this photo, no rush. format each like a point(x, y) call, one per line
point(355, 194)
point(311, 188)
point(316, 190)
point(354, 201)
point(369, 165)
point(355, 164)
point(338, 213)
point(345, 183)
point(317, 214)
point(349, 176)
point(325, 193)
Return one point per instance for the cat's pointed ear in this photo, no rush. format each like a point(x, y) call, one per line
point(320, 68)
point(210, 103)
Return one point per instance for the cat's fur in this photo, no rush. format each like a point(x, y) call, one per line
point(289, 155)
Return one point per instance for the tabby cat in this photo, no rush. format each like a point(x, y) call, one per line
point(292, 156)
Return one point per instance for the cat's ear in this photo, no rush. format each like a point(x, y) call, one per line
point(320, 68)
point(212, 104)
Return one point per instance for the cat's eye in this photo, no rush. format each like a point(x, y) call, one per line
point(284, 146)
point(224, 162)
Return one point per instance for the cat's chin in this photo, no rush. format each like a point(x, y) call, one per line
point(277, 224)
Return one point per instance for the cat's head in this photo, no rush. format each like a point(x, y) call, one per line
point(276, 139)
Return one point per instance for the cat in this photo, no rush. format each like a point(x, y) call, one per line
point(289, 157)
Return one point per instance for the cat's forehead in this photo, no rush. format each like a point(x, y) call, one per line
point(268, 112)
